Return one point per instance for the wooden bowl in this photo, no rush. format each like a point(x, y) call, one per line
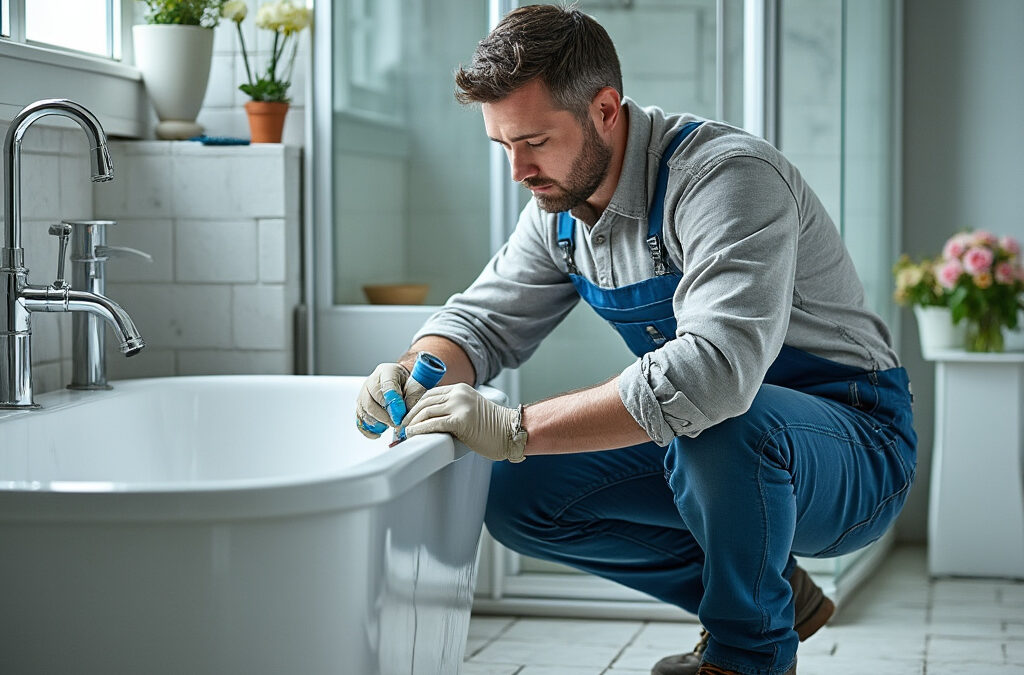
point(396, 294)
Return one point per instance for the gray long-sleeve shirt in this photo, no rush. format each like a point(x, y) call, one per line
point(763, 265)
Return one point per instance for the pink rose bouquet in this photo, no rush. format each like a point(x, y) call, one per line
point(982, 280)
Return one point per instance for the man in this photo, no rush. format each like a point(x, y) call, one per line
point(766, 414)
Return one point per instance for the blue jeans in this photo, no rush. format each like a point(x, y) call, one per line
point(818, 468)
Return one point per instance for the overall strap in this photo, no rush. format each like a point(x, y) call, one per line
point(567, 227)
point(655, 219)
point(567, 240)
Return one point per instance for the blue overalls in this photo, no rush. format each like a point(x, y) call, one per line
point(819, 465)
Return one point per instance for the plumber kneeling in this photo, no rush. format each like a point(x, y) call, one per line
point(766, 414)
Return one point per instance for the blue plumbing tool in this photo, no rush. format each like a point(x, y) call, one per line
point(428, 371)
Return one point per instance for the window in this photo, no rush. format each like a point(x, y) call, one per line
point(75, 49)
point(87, 26)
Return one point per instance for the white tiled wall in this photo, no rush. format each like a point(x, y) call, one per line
point(222, 224)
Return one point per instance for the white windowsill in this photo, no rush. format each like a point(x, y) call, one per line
point(77, 61)
point(112, 91)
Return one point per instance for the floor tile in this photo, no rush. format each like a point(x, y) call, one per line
point(979, 669)
point(488, 626)
point(547, 654)
point(573, 631)
point(488, 669)
point(965, 650)
point(900, 622)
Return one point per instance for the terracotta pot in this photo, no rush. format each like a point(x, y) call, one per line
point(266, 121)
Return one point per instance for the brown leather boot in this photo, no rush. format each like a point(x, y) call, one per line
point(711, 669)
point(813, 609)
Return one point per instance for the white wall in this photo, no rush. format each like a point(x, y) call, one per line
point(962, 144)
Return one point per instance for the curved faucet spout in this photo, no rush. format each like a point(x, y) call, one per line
point(99, 155)
point(50, 299)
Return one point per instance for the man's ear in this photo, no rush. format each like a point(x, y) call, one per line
point(606, 108)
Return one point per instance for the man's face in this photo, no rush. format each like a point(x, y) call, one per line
point(560, 160)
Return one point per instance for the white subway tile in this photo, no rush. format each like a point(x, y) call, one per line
point(294, 126)
point(225, 38)
point(150, 362)
point(215, 251)
point(229, 122)
point(39, 138)
point(155, 237)
point(73, 142)
point(40, 185)
point(273, 253)
point(75, 187)
point(221, 87)
point(64, 322)
point(236, 185)
point(46, 377)
point(178, 315)
point(141, 185)
point(230, 362)
point(261, 319)
point(40, 251)
point(45, 337)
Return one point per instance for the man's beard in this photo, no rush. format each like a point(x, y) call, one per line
point(588, 171)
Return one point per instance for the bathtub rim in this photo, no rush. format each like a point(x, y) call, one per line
point(376, 480)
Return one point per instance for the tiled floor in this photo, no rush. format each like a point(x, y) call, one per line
point(899, 623)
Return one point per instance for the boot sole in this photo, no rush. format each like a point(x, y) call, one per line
point(822, 613)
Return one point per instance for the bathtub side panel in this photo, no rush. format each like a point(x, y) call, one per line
point(433, 534)
point(373, 591)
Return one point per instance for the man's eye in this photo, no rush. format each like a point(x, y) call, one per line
point(537, 145)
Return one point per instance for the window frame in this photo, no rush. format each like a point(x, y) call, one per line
point(111, 88)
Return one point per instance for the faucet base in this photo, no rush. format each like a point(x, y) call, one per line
point(14, 406)
point(89, 387)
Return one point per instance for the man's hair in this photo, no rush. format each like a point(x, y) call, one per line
point(569, 51)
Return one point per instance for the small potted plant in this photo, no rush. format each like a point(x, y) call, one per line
point(268, 89)
point(173, 51)
point(984, 279)
point(918, 287)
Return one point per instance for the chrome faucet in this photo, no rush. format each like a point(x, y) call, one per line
point(89, 256)
point(22, 298)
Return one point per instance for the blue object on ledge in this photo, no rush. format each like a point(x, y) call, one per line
point(220, 140)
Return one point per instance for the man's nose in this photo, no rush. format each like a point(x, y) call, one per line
point(521, 164)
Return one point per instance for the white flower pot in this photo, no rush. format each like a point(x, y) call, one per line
point(175, 65)
point(936, 330)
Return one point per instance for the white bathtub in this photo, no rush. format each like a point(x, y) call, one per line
point(231, 525)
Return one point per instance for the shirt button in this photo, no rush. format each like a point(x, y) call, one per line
point(599, 239)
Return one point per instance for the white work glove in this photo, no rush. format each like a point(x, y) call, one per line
point(489, 429)
point(384, 398)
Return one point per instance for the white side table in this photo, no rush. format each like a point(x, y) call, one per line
point(976, 509)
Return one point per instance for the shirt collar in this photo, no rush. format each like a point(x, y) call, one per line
point(630, 196)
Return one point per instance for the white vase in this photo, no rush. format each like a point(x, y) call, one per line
point(936, 330)
point(1013, 340)
point(175, 65)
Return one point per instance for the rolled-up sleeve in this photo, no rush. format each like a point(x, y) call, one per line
point(736, 225)
point(518, 299)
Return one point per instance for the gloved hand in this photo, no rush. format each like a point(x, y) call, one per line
point(384, 398)
point(489, 429)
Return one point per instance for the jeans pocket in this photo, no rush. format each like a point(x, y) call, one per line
point(870, 529)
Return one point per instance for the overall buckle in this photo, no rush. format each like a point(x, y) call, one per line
point(657, 255)
point(567, 256)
